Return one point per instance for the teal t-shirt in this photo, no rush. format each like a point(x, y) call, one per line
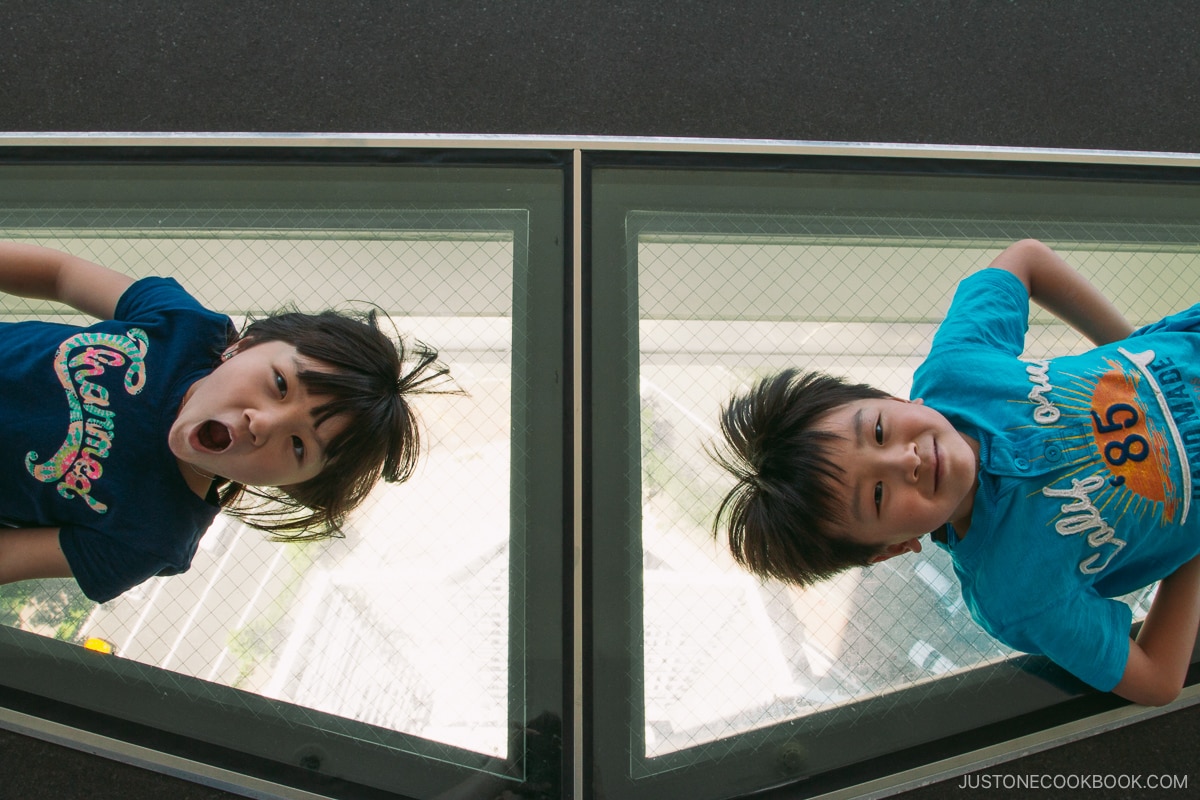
point(1086, 486)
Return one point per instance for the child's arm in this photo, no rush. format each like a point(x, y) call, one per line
point(31, 553)
point(1057, 287)
point(1158, 659)
point(45, 274)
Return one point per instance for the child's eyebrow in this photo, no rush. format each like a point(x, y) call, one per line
point(299, 367)
point(855, 491)
point(322, 445)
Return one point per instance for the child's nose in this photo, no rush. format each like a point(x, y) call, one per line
point(261, 423)
point(908, 463)
point(256, 424)
point(265, 423)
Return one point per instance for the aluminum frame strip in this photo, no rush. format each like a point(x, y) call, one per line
point(1010, 750)
point(253, 787)
point(154, 760)
point(593, 143)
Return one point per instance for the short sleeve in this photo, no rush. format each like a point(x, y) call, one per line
point(1086, 635)
point(104, 567)
point(1186, 321)
point(155, 295)
point(990, 309)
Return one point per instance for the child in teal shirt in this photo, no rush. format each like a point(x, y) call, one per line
point(1055, 485)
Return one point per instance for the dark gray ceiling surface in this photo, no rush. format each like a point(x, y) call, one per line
point(1093, 74)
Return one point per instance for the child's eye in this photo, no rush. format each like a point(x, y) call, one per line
point(298, 447)
point(879, 430)
point(878, 496)
point(281, 384)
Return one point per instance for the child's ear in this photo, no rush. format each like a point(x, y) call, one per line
point(897, 549)
point(230, 352)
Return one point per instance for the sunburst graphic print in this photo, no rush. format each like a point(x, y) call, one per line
point(1122, 441)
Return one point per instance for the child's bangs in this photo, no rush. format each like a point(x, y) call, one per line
point(344, 394)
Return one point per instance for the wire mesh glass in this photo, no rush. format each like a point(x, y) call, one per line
point(403, 622)
point(726, 298)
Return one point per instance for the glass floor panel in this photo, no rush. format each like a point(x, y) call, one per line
point(706, 280)
point(725, 652)
point(406, 634)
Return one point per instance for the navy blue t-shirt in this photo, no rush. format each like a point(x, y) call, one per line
point(85, 414)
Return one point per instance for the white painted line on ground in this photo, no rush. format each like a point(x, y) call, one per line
point(212, 580)
point(699, 421)
point(305, 619)
point(241, 623)
point(161, 583)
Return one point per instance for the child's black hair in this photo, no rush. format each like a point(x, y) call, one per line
point(781, 512)
point(371, 380)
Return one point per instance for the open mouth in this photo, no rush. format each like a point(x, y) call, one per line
point(214, 436)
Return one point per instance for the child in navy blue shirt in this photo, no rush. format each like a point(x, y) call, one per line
point(120, 441)
point(1055, 485)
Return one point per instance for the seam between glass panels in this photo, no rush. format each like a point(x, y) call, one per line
point(577, 470)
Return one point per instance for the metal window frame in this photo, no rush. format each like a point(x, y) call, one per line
point(538, 395)
point(234, 147)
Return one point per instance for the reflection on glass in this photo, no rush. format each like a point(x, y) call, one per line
point(403, 623)
point(724, 653)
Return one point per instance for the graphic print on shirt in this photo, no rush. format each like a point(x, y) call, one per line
point(1141, 424)
point(91, 424)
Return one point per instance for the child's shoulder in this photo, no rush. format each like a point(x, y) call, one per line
point(155, 286)
point(158, 294)
point(990, 309)
point(166, 311)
